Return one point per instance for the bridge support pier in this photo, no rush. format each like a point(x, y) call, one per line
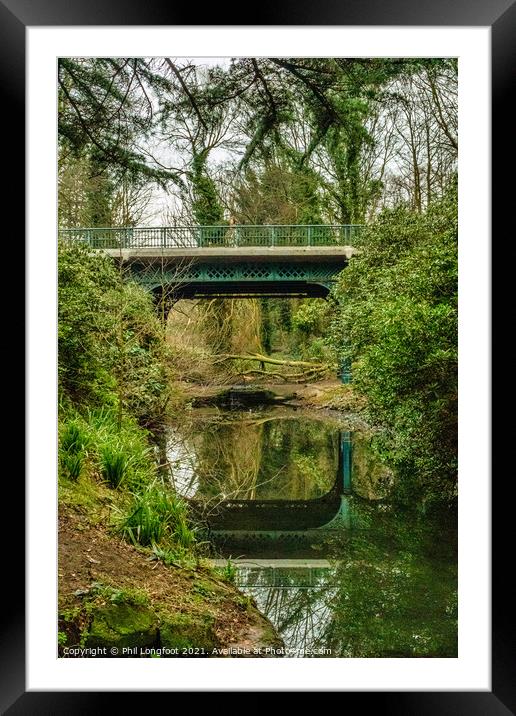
point(345, 461)
point(163, 303)
point(345, 370)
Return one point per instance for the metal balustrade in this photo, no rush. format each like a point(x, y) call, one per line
point(198, 237)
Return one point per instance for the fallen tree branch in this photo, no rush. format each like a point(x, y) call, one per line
point(273, 361)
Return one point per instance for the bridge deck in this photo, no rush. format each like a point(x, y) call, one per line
point(238, 236)
point(290, 254)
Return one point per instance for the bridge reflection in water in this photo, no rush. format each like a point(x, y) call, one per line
point(267, 529)
point(295, 592)
point(281, 573)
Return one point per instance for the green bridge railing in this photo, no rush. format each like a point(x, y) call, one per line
point(237, 235)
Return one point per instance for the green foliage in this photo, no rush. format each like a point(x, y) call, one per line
point(396, 319)
point(111, 346)
point(72, 465)
point(175, 555)
point(229, 572)
point(115, 595)
point(281, 193)
point(114, 464)
point(84, 326)
point(61, 638)
point(113, 379)
point(74, 439)
point(122, 449)
point(156, 516)
point(73, 444)
point(306, 316)
point(206, 206)
point(308, 331)
point(101, 113)
point(98, 444)
point(395, 595)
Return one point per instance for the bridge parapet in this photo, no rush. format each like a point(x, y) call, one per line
point(212, 237)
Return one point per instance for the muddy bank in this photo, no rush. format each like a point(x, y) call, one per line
point(115, 600)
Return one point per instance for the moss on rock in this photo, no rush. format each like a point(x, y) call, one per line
point(122, 625)
point(182, 631)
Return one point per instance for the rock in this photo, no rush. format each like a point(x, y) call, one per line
point(81, 592)
point(181, 631)
point(123, 625)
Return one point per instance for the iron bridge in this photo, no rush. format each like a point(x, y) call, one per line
point(227, 261)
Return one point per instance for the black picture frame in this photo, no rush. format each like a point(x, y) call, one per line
point(500, 15)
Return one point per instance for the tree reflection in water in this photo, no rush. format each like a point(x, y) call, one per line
point(392, 593)
point(391, 589)
point(247, 456)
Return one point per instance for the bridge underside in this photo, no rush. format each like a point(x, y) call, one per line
point(241, 279)
point(254, 289)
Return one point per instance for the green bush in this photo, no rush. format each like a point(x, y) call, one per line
point(84, 326)
point(396, 320)
point(110, 341)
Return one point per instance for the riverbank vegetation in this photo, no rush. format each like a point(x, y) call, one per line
point(396, 321)
point(119, 520)
point(114, 381)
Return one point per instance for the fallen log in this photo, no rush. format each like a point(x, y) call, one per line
point(273, 361)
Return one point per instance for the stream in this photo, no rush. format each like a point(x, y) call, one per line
point(296, 508)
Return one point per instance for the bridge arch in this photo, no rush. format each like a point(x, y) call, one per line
point(293, 515)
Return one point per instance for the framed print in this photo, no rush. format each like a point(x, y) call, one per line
point(258, 348)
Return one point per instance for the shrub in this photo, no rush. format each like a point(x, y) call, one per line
point(396, 319)
point(110, 343)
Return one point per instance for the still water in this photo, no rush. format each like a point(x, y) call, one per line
point(303, 509)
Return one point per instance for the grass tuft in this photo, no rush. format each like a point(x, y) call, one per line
point(74, 438)
point(114, 464)
point(157, 516)
point(72, 465)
